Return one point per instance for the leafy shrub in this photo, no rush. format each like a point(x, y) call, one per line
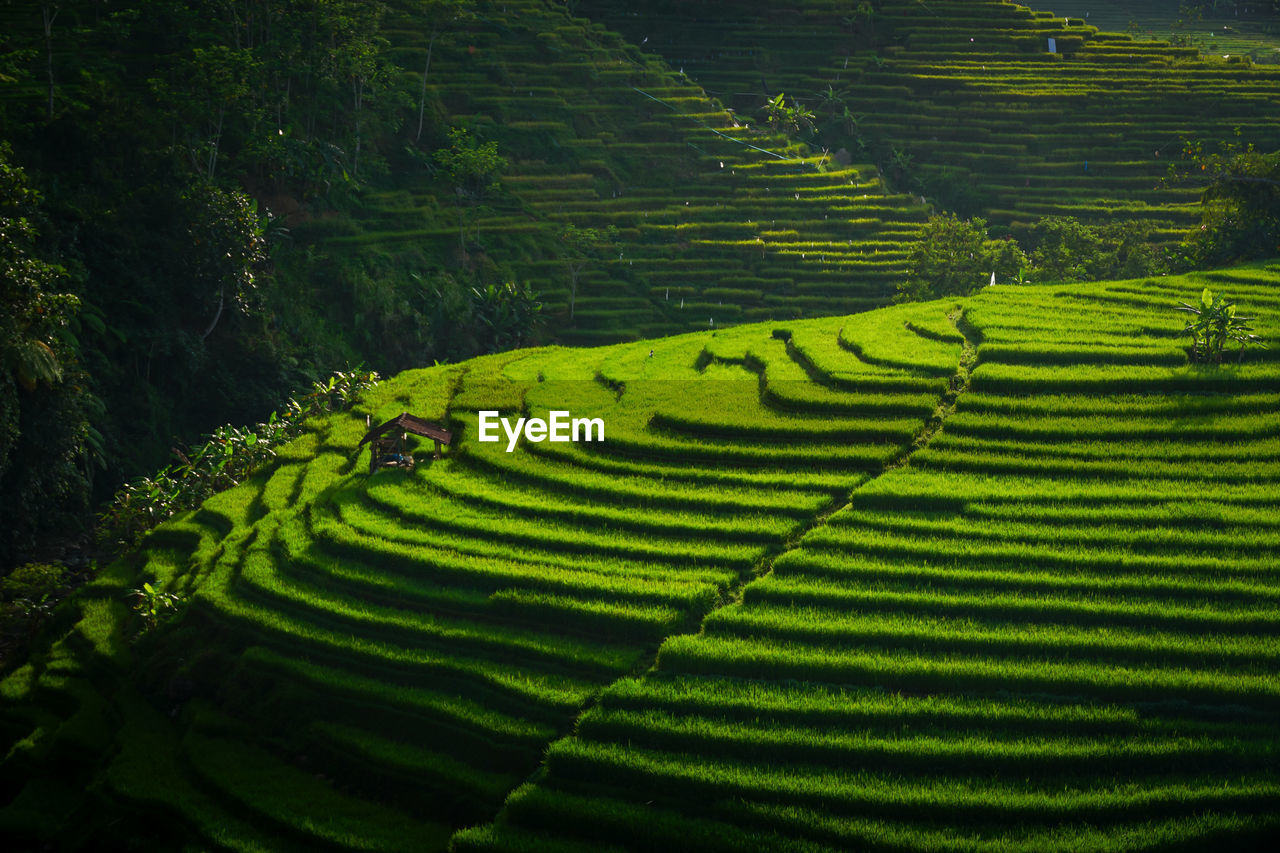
point(510, 314)
point(1239, 206)
point(28, 596)
point(792, 118)
point(954, 188)
point(152, 604)
point(1215, 325)
point(46, 442)
point(1069, 250)
point(1132, 253)
point(954, 257)
point(230, 455)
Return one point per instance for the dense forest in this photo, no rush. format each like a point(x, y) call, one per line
point(165, 169)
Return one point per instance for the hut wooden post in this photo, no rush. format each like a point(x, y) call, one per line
point(387, 442)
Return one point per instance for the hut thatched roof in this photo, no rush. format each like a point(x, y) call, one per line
point(406, 422)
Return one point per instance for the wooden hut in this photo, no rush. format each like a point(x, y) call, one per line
point(387, 442)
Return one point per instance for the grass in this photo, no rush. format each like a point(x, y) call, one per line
point(757, 614)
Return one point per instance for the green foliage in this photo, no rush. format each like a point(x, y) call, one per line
point(208, 90)
point(228, 249)
point(228, 456)
point(32, 581)
point(954, 257)
point(1132, 250)
point(786, 117)
point(1215, 324)
point(899, 168)
point(28, 595)
point(1239, 203)
point(162, 135)
point(578, 247)
point(153, 605)
point(45, 450)
point(33, 315)
point(1067, 250)
point(511, 314)
point(953, 188)
point(860, 17)
point(472, 167)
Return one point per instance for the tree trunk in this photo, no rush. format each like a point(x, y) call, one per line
point(357, 97)
point(216, 142)
point(422, 101)
point(574, 271)
point(218, 315)
point(49, 13)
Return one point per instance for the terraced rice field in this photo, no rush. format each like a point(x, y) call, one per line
point(718, 224)
point(998, 573)
point(968, 90)
point(1224, 32)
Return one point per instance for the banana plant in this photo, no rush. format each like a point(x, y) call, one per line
point(791, 118)
point(1215, 323)
point(227, 457)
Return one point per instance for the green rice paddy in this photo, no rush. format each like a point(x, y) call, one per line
point(991, 121)
point(994, 573)
point(812, 592)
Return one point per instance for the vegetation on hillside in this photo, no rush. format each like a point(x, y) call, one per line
point(246, 197)
point(1008, 552)
point(183, 152)
point(49, 450)
point(1240, 200)
point(962, 101)
point(954, 257)
point(1009, 557)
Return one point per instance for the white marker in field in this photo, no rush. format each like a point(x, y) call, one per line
point(558, 427)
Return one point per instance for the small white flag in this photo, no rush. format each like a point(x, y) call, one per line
point(992, 283)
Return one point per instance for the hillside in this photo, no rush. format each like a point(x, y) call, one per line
point(1215, 26)
point(237, 203)
point(991, 573)
point(618, 117)
point(716, 221)
point(238, 199)
point(962, 100)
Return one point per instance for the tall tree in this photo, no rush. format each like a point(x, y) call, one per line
point(1239, 200)
point(44, 433)
point(228, 249)
point(578, 248)
point(441, 15)
point(954, 257)
point(49, 14)
point(473, 168)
